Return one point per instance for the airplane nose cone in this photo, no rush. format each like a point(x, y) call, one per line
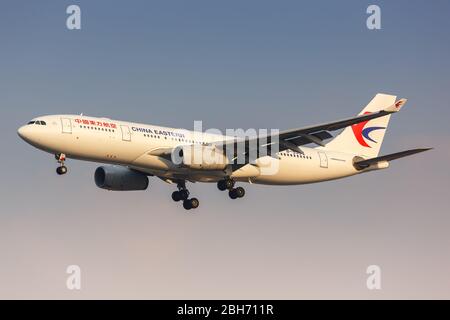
point(20, 132)
point(24, 133)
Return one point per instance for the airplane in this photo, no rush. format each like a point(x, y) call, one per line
point(133, 152)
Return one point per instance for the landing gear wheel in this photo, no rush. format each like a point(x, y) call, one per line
point(187, 205)
point(226, 184)
point(194, 203)
point(233, 194)
point(184, 194)
point(229, 184)
point(61, 170)
point(240, 192)
point(176, 196)
point(221, 185)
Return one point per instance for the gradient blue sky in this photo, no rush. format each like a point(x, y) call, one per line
point(232, 64)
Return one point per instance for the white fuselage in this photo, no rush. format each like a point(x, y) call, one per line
point(131, 144)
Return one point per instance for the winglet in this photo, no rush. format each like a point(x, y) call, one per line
point(396, 106)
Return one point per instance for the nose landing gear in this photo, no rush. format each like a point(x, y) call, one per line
point(228, 184)
point(61, 170)
point(183, 195)
point(61, 158)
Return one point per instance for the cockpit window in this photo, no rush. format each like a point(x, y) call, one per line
point(38, 122)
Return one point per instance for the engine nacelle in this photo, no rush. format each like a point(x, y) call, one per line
point(119, 178)
point(199, 157)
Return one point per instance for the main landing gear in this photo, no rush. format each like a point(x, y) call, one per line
point(183, 195)
point(61, 158)
point(228, 184)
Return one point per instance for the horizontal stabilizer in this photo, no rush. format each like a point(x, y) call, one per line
point(366, 163)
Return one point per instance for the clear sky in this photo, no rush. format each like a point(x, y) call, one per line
point(232, 64)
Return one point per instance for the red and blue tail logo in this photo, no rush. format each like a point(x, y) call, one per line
point(361, 133)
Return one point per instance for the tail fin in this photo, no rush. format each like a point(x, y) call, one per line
point(365, 138)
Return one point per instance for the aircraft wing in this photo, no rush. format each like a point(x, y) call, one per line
point(340, 124)
point(287, 139)
point(293, 138)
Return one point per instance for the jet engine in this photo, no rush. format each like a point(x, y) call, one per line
point(119, 178)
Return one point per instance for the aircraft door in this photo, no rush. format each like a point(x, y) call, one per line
point(66, 124)
point(126, 134)
point(323, 159)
